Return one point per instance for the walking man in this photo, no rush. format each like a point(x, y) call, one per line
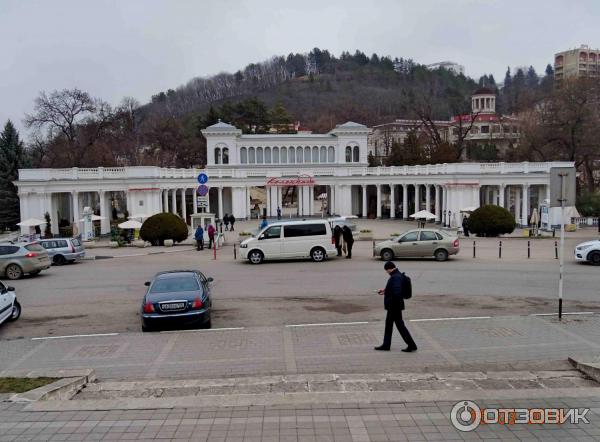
point(226, 222)
point(396, 291)
point(211, 235)
point(337, 237)
point(348, 239)
point(465, 225)
point(199, 237)
point(231, 221)
point(278, 212)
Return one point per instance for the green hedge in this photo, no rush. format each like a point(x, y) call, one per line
point(491, 221)
point(163, 226)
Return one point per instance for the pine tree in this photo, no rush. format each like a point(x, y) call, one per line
point(12, 157)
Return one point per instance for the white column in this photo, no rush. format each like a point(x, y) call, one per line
point(417, 197)
point(220, 202)
point(105, 213)
point(548, 192)
point(165, 207)
point(75, 201)
point(517, 204)
point(195, 201)
point(444, 205)
point(248, 202)
point(405, 201)
point(392, 201)
point(280, 198)
point(525, 211)
point(438, 209)
point(311, 200)
point(502, 188)
point(495, 196)
point(378, 201)
point(364, 201)
point(174, 201)
point(427, 198)
point(269, 208)
point(183, 206)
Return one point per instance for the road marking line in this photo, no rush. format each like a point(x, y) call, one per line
point(74, 336)
point(326, 323)
point(450, 319)
point(202, 330)
point(556, 314)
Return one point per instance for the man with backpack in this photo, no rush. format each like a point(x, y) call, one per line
point(397, 289)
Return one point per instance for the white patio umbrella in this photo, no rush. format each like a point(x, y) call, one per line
point(534, 217)
point(469, 209)
point(323, 196)
point(94, 218)
point(423, 214)
point(131, 224)
point(141, 216)
point(31, 222)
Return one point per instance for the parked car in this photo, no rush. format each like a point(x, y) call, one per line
point(177, 298)
point(290, 239)
point(10, 309)
point(419, 243)
point(63, 250)
point(588, 252)
point(20, 258)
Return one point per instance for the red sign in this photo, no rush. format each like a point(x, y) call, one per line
point(300, 181)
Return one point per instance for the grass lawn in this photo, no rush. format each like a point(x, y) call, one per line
point(20, 385)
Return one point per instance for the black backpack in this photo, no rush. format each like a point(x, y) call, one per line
point(406, 287)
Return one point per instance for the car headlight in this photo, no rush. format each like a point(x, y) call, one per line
point(582, 247)
point(243, 246)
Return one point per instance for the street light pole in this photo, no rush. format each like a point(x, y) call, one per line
point(562, 244)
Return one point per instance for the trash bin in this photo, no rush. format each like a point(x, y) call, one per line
point(526, 232)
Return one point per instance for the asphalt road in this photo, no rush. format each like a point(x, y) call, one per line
point(104, 296)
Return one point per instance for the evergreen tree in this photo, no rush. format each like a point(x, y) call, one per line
point(532, 79)
point(12, 158)
point(549, 70)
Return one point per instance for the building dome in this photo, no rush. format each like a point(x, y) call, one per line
point(483, 101)
point(484, 91)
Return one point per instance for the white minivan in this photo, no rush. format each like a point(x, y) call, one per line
point(290, 240)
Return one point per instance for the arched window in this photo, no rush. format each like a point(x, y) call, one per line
point(275, 155)
point(267, 155)
point(315, 154)
point(323, 155)
point(284, 158)
point(225, 155)
point(244, 155)
point(299, 154)
point(251, 156)
point(356, 154)
point(348, 154)
point(331, 155)
point(217, 155)
point(291, 154)
point(259, 155)
point(307, 154)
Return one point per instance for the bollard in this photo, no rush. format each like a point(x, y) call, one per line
point(473, 249)
point(553, 233)
point(215, 247)
point(234, 251)
point(500, 249)
point(528, 249)
point(373, 247)
point(555, 249)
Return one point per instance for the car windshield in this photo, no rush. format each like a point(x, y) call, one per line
point(75, 242)
point(171, 285)
point(34, 247)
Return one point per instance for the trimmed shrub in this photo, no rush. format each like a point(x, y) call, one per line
point(162, 226)
point(491, 221)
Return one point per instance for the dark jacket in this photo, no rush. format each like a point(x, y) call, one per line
point(465, 222)
point(392, 298)
point(199, 234)
point(347, 234)
point(231, 219)
point(337, 234)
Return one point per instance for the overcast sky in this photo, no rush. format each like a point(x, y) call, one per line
point(118, 48)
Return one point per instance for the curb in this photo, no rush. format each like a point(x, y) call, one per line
point(132, 255)
point(588, 368)
point(71, 382)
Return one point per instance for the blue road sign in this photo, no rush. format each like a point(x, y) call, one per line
point(202, 190)
point(202, 178)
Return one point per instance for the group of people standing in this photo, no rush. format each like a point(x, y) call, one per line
point(229, 222)
point(199, 236)
point(344, 240)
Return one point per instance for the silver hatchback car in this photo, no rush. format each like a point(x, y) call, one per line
point(419, 243)
point(20, 258)
point(63, 250)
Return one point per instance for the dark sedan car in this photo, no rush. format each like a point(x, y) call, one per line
point(178, 298)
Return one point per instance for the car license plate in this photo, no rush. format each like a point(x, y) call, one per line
point(172, 306)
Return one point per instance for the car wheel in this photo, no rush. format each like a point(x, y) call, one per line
point(13, 271)
point(59, 260)
point(255, 257)
point(387, 255)
point(594, 258)
point(441, 255)
point(16, 313)
point(317, 254)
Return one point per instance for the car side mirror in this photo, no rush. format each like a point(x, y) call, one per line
point(147, 283)
point(261, 237)
point(210, 279)
point(10, 289)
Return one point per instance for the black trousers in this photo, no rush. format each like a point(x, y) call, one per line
point(349, 248)
point(339, 250)
point(210, 242)
point(199, 244)
point(395, 316)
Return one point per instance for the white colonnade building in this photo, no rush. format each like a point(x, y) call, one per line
point(293, 172)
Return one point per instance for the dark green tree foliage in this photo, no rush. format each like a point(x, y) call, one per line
point(162, 226)
point(491, 221)
point(12, 157)
point(588, 204)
